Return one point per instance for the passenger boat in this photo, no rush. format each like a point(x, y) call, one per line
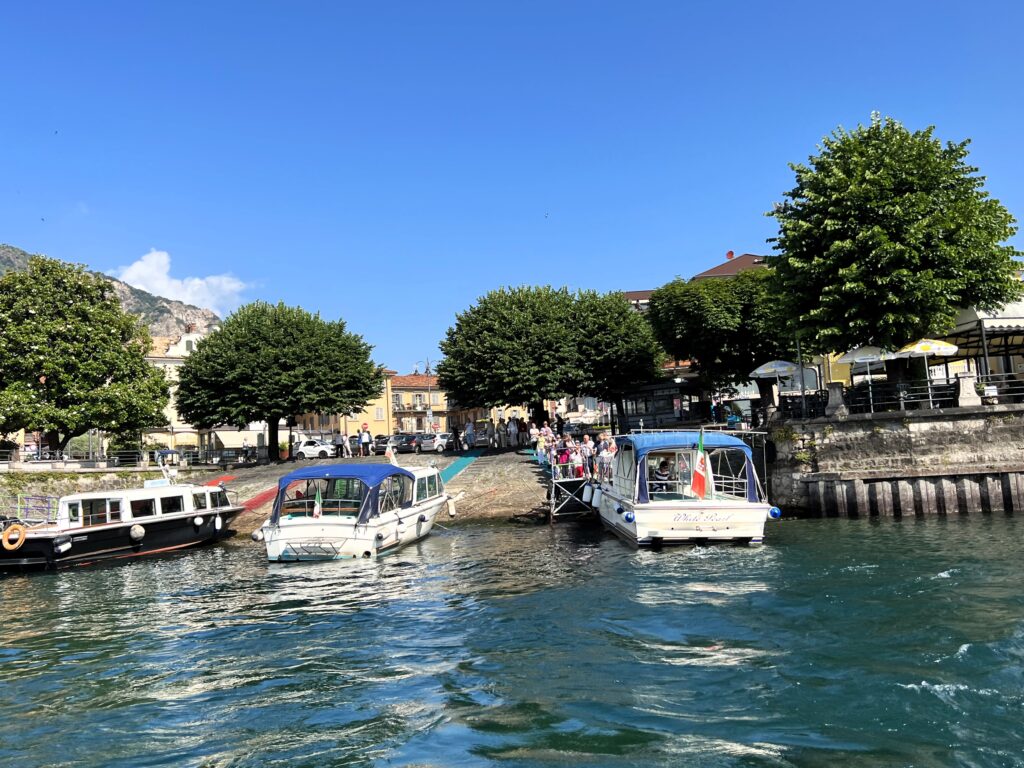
point(114, 525)
point(341, 511)
point(685, 486)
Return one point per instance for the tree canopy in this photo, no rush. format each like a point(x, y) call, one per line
point(725, 327)
point(527, 344)
point(71, 359)
point(886, 236)
point(268, 362)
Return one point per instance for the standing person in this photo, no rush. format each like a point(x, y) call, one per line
point(502, 433)
point(587, 454)
point(346, 446)
point(365, 441)
point(245, 449)
point(339, 442)
point(490, 434)
point(469, 435)
point(534, 434)
point(456, 443)
point(559, 424)
point(513, 433)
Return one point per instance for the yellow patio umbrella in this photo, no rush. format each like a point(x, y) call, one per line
point(925, 347)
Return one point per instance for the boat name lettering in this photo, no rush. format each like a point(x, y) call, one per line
point(702, 517)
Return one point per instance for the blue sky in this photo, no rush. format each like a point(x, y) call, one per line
point(387, 163)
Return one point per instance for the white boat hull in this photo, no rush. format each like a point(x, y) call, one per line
point(672, 522)
point(334, 538)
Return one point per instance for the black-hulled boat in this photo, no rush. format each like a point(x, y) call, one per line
point(110, 525)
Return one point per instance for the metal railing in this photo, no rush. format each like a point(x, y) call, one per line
point(26, 507)
point(1001, 388)
point(874, 397)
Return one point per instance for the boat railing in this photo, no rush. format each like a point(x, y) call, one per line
point(41, 509)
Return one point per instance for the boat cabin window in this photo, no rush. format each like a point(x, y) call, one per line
point(219, 499)
point(95, 511)
point(624, 473)
point(395, 492)
point(199, 500)
point(669, 475)
point(74, 513)
point(341, 496)
point(143, 507)
point(428, 487)
point(115, 510)
point(171, 504)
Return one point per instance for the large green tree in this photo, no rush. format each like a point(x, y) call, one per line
point(515, 345)
point(71, 359)
point(617, 348)
point(725, 327)
point(268, 362)
point(528, 344)
point(887, 234)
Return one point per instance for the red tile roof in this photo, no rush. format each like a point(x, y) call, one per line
point(414, 381)
point(733, 267)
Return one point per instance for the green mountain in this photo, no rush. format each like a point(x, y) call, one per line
point(165, 317)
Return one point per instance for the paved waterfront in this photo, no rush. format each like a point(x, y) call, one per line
point(840, 642)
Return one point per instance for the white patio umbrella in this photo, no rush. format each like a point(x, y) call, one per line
point(925, 347)
point(867, 354)
point(775, 368)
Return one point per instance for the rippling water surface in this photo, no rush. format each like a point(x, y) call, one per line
point(839, 643)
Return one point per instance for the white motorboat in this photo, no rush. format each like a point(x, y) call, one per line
point(340, 511)
point(654, 491)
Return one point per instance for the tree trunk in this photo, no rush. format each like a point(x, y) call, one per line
point(616, 424)
point(53, 441)
point(538, 414)
point(272, 437)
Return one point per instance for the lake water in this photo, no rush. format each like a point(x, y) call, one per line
point(838, 643)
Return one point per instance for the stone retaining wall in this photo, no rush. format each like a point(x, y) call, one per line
point(910, 462)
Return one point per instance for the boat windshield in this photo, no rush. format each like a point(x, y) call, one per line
point(342, 496)
point(670, 475)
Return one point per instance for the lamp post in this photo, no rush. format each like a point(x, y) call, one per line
point(430, 410)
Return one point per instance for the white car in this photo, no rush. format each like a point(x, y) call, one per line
point(313, 449)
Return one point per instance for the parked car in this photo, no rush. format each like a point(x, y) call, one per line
point(406, 443)
point(313, 449)
point(381, 443)
point(438, 443)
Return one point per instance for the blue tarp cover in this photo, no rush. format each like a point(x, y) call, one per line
point(645, 442)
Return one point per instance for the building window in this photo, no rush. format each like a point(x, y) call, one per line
point(396, 401)
point(188, 345)
point(435, 398)
point(378, 413)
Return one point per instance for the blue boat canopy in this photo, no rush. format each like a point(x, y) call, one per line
point(370, 474)
point(645, 442)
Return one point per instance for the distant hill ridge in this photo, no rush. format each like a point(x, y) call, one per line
point(164, 317)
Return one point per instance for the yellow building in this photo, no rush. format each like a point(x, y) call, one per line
point(377, 416)
point(418, 404)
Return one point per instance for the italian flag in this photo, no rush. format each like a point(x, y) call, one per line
point(318, 503)
point(701, 476)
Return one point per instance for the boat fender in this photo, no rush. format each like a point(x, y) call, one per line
point(380, 536)
point(13, 537)
point(588, 493)
point(595, 500)
point(619, 510)
point(218, 523)
point(629, 517)
point(258, 535)
point(61, 544)
point(198, 520)
point(136, 532)
point(451, 507)
point(423, 519)
point(774, 513)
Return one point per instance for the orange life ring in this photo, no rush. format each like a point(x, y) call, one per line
point(5, 539)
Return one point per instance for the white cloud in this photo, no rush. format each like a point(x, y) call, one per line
point(152, 273)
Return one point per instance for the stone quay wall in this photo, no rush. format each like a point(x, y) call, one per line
point(903, 463)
